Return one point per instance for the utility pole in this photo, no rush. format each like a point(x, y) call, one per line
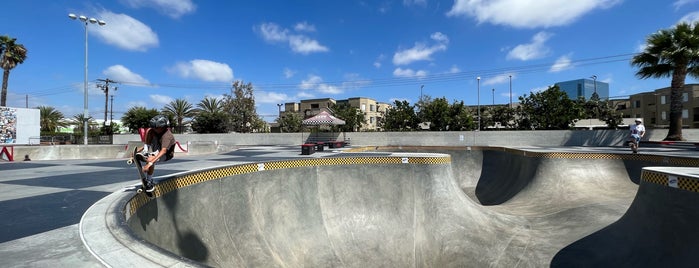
point(105, 88)
point(111, 114)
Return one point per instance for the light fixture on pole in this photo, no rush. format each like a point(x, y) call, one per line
point(478, 101)
point(594, 82)
point(493, 97)
point(85, 21)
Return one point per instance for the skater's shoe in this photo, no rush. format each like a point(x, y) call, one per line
point(150, 187)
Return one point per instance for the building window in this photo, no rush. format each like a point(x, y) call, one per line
point(637, 104)
point(663, 99)
point(685, 113)
point(371, 120)
point(371, 107)
point(315, 106)
point(363, 107)
point(685, 97)
point(663, 115)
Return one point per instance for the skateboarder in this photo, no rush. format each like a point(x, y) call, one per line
point(159, 146)
point(637, 131)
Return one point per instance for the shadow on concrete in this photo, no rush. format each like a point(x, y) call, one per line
point(658, 230)
point(503, 176)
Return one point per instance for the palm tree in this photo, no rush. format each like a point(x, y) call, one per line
point(179, 109)
point(78, 121)
point(210, 105)
point(671, 53)
point(51, 119)
point(11, 54)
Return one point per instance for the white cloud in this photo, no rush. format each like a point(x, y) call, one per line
point(270, 97)
point(690, 18)
point(304, 27)
point(440, 37)
point(299, 43)
point(125, 32)
point(271, 32)
point(160, 100)
point(124, 75)
point(399, 72)
point(496, 80)
point(680, 3)
point(454, 69)
point(379, 59)
point(421, 52)
point(288, 73)
point(527, 14)
point(562, 63)
point(534, 50)
point(315, 82)
point(204, 70)
point(172, 8)
point(304, 45)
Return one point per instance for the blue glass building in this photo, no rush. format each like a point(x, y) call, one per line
point(584, 88)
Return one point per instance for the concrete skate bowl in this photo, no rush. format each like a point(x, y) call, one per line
point(384, 209)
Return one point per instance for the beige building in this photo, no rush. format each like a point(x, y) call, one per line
point(373, 111)
point(654, 107)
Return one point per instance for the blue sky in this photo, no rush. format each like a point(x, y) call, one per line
point(161, 50)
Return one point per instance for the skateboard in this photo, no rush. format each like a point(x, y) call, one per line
point(138, 158)
point(633, 145)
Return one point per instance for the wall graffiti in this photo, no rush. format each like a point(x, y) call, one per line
point(8, 125)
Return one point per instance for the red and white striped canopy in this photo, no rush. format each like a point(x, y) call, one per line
point(323, 118)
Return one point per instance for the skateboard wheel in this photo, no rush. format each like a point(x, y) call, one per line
point(129, 162)
point(139, 191)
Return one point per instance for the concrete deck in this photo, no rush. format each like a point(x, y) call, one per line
point(64, 211)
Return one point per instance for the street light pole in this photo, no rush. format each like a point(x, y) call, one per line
point(594, 82)
point(85, 21)
point(493, 97)
point(281, 129)
point(510, 91)
point(479, 103)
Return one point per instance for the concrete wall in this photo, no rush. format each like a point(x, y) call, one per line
point(446, 138)
point(195, 144)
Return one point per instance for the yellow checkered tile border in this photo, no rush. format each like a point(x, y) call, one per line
point(685, 183)
point(166, 186)
point(670, 160)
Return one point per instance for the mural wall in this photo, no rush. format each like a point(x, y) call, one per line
point(18, 125)
point(8, 125)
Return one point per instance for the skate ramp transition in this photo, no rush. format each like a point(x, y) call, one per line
point(465, 207)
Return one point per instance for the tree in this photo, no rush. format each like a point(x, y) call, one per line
point(290, 122)
point(179, 109)
point(11, 55)
point(460, 118)
point(671, 53)
point(400, 117)
point(503, 115)
point(51, 119)
point(210, 122)
point(210, 105)
point(78, 121)
point(436, 112)
point(138, 117)
point(354, 118)
point(549, 109)
point(241, 108)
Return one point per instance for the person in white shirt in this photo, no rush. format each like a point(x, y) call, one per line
point(637, 131)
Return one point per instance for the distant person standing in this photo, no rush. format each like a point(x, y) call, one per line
point(637, 131)
point(159, 145)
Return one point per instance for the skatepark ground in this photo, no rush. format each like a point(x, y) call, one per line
point(43, 205)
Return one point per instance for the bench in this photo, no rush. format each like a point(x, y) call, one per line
point(308, 149)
